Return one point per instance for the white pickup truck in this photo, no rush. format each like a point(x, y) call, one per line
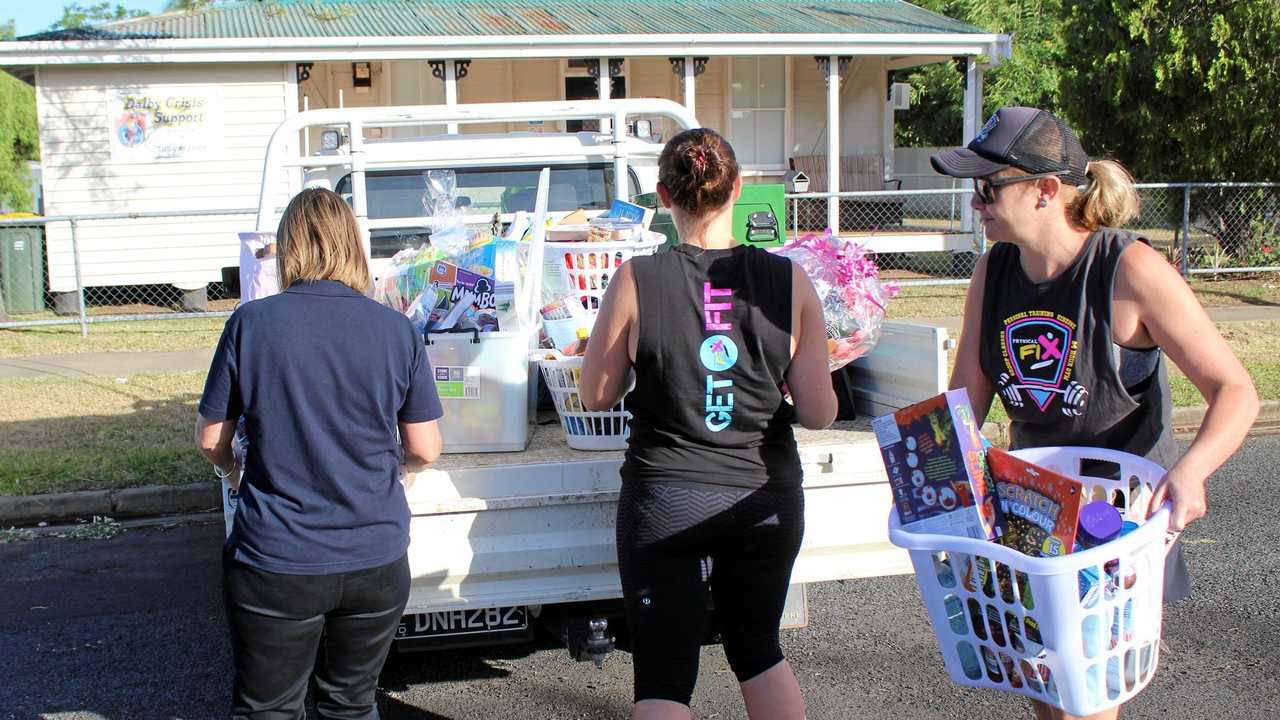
point(500, 541)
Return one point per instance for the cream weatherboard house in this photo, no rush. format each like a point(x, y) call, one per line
point(804, 80)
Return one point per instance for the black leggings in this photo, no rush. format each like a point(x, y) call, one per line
point(680, 546)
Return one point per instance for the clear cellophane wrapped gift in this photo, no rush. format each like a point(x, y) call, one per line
point(854, 298)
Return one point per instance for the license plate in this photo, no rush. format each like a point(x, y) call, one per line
point(447, 623)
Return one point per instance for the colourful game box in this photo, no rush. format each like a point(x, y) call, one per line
point(460, 298)
point(933, 454)
point(1040, 508)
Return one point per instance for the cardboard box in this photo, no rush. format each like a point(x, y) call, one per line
point(934, 456)
point(1040, 509)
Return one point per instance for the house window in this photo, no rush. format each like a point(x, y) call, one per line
point(757, 118)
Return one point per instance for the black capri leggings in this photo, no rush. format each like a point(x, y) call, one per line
point(682, 545)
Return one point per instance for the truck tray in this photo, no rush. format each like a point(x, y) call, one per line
point(537, 527)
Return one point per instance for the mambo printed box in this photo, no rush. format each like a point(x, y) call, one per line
point(934, 456)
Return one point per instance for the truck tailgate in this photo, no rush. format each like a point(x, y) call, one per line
point(537, 527)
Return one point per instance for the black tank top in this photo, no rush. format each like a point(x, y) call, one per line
point(713, 350)
point(1047, 347)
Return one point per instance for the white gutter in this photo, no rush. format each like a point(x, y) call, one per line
point(1002, 50)
point(285, 49)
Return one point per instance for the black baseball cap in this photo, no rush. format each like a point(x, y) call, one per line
point(1027, 138)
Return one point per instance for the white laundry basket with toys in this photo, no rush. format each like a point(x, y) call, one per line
point(583, 429)
point(1079, 631)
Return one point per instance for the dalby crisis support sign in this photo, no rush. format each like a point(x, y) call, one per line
point(164, 125)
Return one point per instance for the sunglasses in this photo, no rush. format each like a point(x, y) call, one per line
point(986, 187)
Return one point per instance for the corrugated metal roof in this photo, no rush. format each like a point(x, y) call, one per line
point(400, 18)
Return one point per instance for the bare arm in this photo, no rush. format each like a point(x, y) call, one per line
point(213, 437)
point(968, 370)
point(610, 351)
point(1170, 316)
point(422, 444)
point(809, 376)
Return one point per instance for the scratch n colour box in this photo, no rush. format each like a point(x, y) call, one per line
point(1040, 508)
point(933, 454)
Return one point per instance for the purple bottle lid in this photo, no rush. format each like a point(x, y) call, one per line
point(1100, 522)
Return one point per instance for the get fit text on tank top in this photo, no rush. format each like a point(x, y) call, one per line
point(714, 347)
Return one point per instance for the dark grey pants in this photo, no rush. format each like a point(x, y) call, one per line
point(277, 622)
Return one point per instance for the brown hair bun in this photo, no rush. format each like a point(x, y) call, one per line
point(699, 169)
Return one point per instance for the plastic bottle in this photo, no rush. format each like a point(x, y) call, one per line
point(579, 346)
point(1100, 523)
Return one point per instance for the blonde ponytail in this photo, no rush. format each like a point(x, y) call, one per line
point(1107, 199)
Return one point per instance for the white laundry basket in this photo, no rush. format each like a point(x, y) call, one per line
point(583, 429)
point(1011, 622)
point(591, 265)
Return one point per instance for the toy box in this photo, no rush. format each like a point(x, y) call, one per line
point(459, 298)
point(1040, 509)
point(933, 454)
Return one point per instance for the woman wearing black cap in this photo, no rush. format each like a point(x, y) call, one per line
point(1068, 319)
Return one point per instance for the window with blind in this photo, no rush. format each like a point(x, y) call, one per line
point(757, 116)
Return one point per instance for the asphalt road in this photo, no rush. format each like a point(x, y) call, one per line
point(132, 627)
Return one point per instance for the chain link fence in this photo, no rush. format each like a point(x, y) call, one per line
point(922, 236)
point(1213, 228)
point(928, 237)
point(114, 267)
point(88, 269)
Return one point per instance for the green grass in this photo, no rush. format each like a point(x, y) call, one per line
point(928, 301)
point(948, 300)
point(197, 333)
point(59, 434)
point(62, 434)
point(1256, 344)
point(150, 336)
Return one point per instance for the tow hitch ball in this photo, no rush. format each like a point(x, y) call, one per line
point(593, 645)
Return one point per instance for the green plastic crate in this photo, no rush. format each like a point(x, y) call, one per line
point(755, 199)
point(761, 200)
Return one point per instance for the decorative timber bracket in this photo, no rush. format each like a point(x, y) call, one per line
point(824, 66)
point(460, 68)
point(615, 68)
point(699, 65)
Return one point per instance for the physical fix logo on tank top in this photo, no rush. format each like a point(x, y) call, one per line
point(1039, 348)
point(718, 354)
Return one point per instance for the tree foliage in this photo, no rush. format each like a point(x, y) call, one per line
point(1029, 77)
point(19, 141)
point(1177, 90)
point(76, 15)
point(185, 5)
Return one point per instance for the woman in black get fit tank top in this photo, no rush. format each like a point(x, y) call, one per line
point(1068, 319)
point(711, 509)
